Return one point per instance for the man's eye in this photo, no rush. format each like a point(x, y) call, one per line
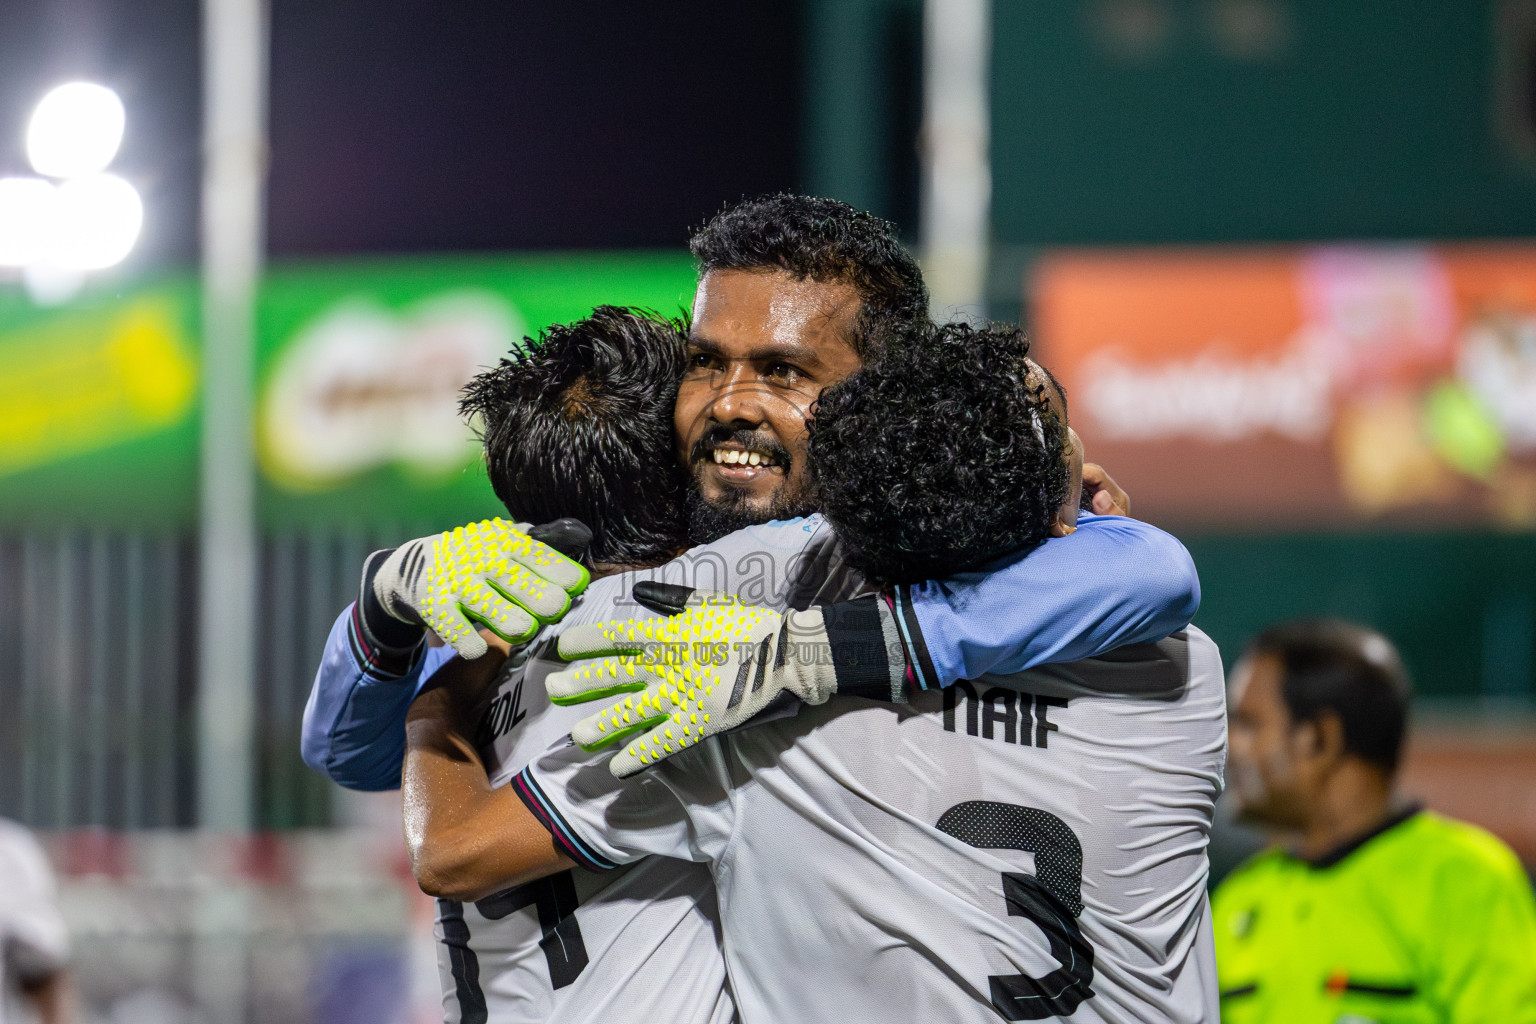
point(783, 371)
point(701, 361)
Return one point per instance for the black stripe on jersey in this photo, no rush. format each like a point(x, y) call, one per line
point(912, 630)
point(1388, 991)
point(463, 962)
point(566, 837)
point(1241, 990)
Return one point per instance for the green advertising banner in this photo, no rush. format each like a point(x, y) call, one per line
point(358, 369)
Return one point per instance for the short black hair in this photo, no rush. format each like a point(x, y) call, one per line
point(579, 423)
point(1351, 671)
point(940, 455)
point(821, 239)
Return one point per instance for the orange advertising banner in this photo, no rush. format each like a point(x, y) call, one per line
point(1296, 387)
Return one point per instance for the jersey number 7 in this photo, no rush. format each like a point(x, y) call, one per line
point(564, 951)
point(1052, 898)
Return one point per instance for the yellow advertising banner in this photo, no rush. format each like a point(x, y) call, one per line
point(1302, 386)
point(93, 379)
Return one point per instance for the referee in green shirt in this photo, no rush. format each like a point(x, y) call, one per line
point(1375, 910)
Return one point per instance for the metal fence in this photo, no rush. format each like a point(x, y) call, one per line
point(98, 643)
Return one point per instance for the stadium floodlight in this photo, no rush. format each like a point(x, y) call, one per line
point(96, 222)
point(28, 209)
point(75, 130)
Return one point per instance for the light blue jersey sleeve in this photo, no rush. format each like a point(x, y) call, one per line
point(354, 721)
point(1115, 581)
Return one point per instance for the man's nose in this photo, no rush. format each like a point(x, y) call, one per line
point(739, 400)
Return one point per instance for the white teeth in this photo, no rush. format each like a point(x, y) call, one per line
point(731, 457)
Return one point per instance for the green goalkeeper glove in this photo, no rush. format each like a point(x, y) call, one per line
point(715, 665)
point(491, 573)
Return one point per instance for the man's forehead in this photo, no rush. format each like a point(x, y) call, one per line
point(1255, 682)
point(756, 307)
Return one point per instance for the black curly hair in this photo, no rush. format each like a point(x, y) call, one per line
point(940, 455)
point(820, 239)
point(579, 423)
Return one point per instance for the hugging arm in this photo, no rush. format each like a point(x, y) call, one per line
point(716, 663)
point(376, 658)
point(354, 721)
point(466, 839)
point(1114, 582)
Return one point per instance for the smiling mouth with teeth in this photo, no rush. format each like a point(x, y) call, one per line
point(735, 457)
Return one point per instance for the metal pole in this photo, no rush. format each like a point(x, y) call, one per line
point(957, 173)
point(234, 91)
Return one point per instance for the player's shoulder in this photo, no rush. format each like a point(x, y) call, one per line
point(1121, 529)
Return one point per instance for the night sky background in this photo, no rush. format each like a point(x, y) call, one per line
point(409, 126)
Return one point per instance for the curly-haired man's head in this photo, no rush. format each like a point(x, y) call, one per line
point(946, 452)
point(791, 290)
point(812, 238)
point(579, 423)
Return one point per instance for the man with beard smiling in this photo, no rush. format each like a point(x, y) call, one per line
point(776, 319)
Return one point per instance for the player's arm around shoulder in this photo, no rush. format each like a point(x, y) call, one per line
point(466, 839)
point(353, 728)
point(1485, 914)
point(1112, 582)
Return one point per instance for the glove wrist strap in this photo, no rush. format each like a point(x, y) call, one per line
point(867, 655)
point(383, 631)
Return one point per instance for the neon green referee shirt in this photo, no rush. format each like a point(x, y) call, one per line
point(1424, 921)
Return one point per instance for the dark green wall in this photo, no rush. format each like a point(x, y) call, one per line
point(1372, 118)
point(1461, 606)
point(1366, 119)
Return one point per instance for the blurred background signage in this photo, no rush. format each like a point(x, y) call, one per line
point(1285, 387)
point(358, 371)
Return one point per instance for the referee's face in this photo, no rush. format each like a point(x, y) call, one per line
point(1267, 761)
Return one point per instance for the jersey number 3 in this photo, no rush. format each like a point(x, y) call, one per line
point(1052, 898)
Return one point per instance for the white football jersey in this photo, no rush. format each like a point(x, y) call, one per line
point(1021, 848)
point(640, 943)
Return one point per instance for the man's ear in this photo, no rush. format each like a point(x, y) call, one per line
point(1318, 739)
point(1066, 516)
point(1330, 735)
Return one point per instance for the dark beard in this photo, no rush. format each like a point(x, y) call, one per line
point(708, 523)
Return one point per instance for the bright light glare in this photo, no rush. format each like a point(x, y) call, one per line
point(28, 208)
point(96, 223)
point(75, 130)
